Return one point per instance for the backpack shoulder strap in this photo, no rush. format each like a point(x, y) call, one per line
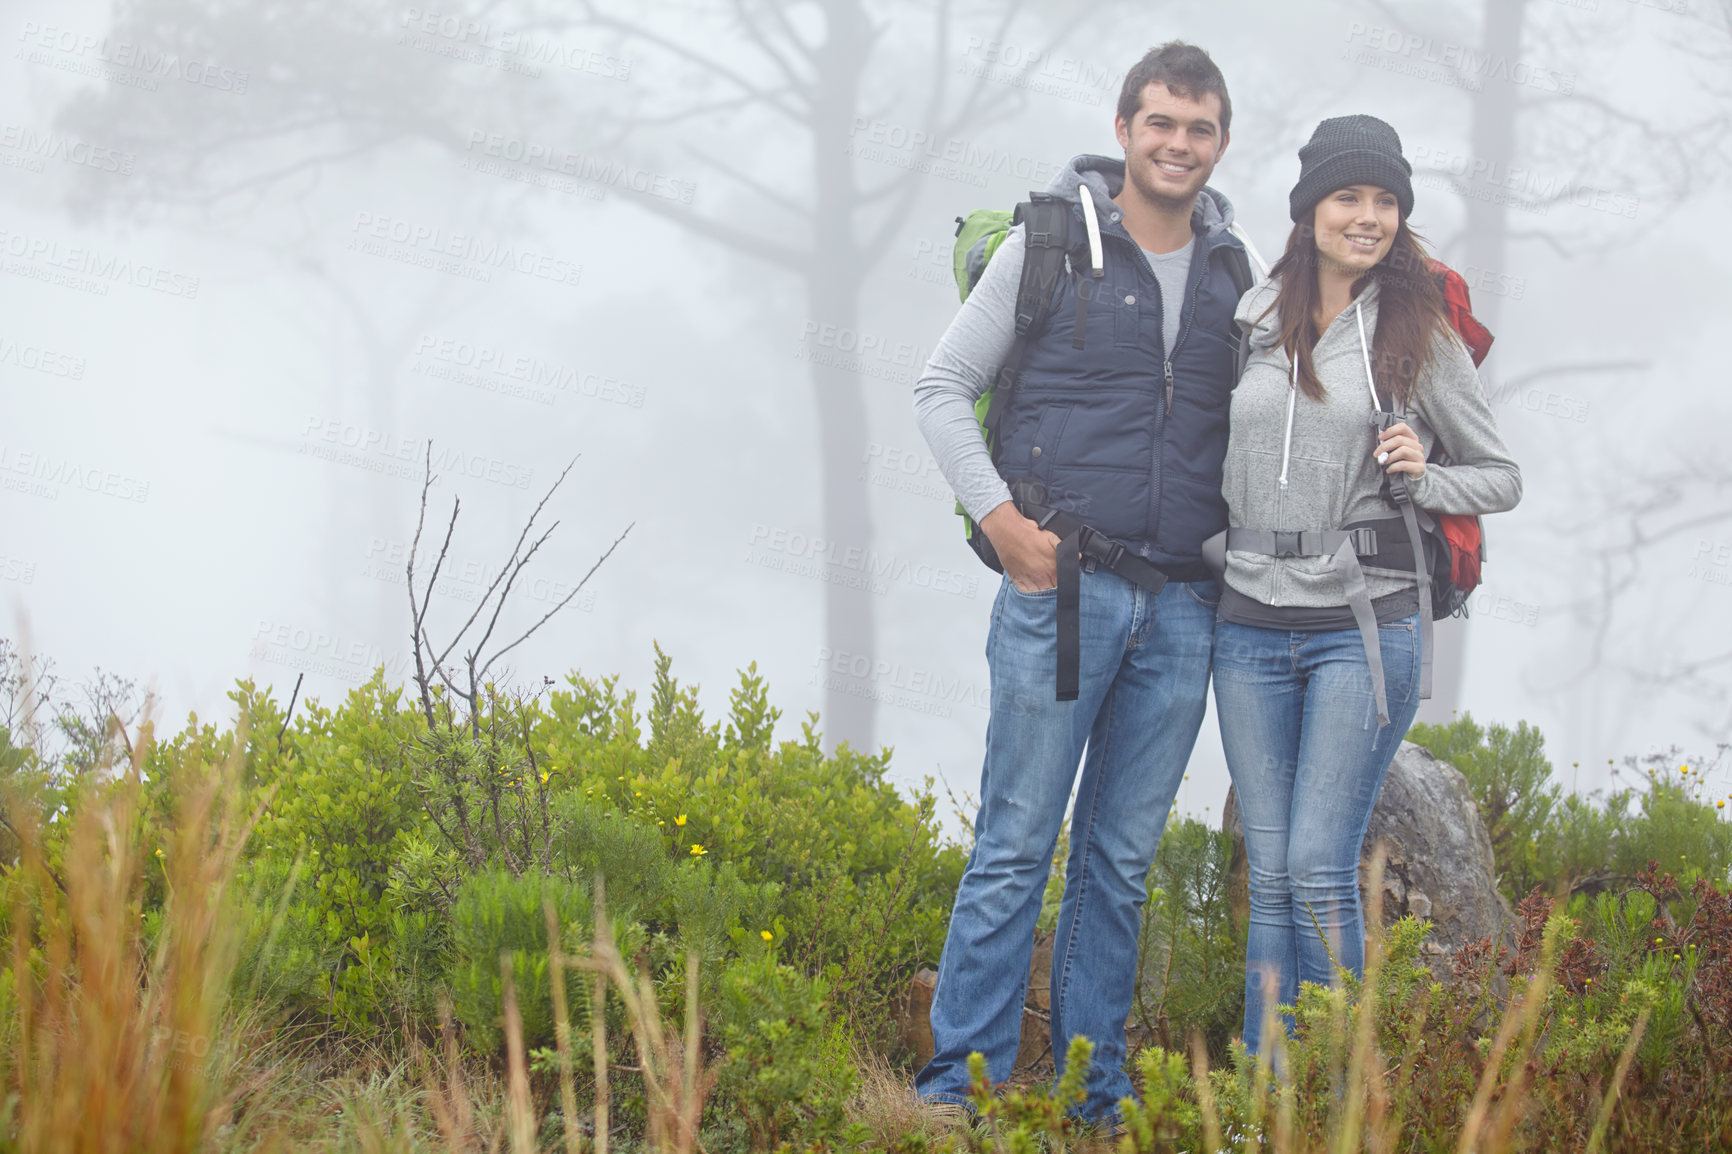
point(1046, 222)
point(1239, 268)
point(1250, 249)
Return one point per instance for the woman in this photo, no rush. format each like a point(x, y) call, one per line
point(1354, 378)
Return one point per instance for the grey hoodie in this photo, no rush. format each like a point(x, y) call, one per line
point(1309, 465)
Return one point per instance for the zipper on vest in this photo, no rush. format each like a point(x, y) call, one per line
point(1167, 371)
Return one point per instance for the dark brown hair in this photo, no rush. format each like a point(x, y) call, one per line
point(1185, 69)
point(1410, 311)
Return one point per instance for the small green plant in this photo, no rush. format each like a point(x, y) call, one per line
point(497, 914)
point(1022, 1121)
point(780, 1073)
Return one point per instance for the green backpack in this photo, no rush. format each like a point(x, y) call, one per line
point(978, 237)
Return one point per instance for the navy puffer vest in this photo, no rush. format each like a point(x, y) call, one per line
point(1091, 424)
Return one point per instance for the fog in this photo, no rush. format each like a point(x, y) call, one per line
point(262, 260)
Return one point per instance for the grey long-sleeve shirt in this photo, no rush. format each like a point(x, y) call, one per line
point(962, 367)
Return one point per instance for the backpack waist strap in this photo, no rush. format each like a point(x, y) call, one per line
point(1345, 548)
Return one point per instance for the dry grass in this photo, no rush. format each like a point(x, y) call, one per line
point(885, 1104)
point(116, 1047)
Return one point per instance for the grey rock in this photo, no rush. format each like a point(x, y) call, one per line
point(1439, 864)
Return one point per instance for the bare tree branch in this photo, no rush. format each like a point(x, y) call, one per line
point(515, 549)
point(801, 85)
point(562, 604)
point(290, 712)
point(715, 68)
point(780, 199)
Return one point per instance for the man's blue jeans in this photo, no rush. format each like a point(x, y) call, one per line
point(1299, 727)
point(1141, 695)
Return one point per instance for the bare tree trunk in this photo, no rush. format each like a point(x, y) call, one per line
point(1485, 247)
point(833, 283)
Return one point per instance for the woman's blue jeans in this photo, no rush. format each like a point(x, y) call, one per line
point(1142, 693)
point(1299, 728)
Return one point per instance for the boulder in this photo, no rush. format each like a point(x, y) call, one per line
point(1439, 866)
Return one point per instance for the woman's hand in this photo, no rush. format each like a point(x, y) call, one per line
point(1400, 451)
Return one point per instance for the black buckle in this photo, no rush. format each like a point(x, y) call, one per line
point(1287, 544)
point(1102, 548)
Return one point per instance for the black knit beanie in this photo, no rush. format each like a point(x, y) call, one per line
point(1347, 150)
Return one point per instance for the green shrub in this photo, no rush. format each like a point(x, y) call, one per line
point(781, 1072)
point(1190, 955)
point(1542, 836)
point(495, 914)
point(342, 803)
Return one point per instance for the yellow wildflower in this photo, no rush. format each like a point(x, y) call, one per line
point(680, 820)
point(767, 935)
point(698, 850)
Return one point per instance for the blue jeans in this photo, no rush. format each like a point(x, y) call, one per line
point(1142, 691)
point(1299, 727)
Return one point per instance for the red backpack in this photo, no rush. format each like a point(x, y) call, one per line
point(1455, 570)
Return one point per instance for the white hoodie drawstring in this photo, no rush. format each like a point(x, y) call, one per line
point(1292, 400)
point(1365, 352)
point(1094, 227)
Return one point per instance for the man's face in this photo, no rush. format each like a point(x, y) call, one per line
point(1171, 145)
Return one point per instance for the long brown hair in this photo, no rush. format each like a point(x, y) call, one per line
point(1410, 311)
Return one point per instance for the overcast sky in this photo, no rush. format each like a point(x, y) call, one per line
point(256, 260)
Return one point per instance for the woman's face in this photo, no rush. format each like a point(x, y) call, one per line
point(1355, 226)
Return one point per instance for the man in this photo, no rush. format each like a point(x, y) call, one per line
point(1122, 427)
